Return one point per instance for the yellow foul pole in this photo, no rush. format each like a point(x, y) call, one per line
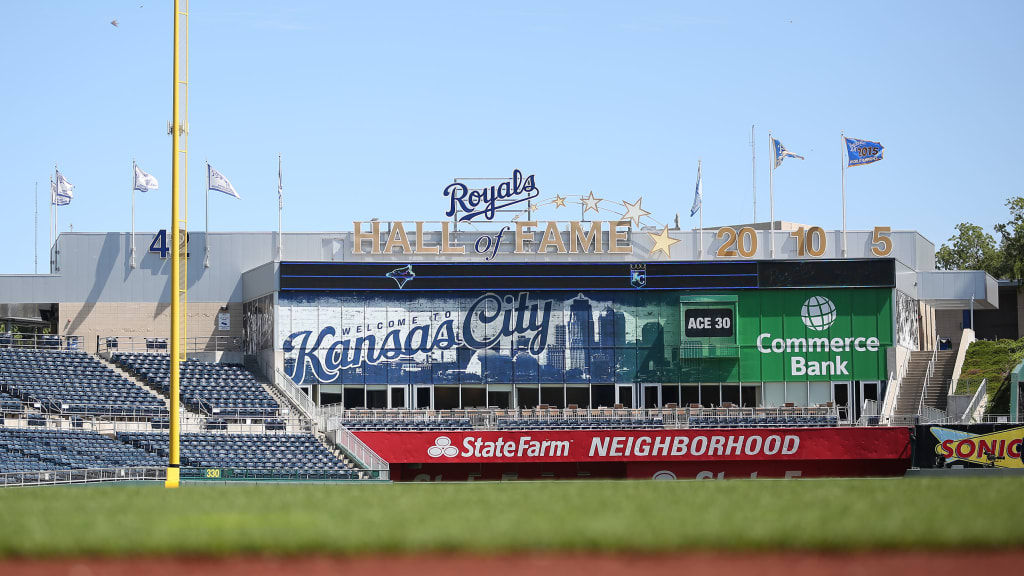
point(178, 190)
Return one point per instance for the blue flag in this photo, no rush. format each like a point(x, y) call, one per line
point(781, 152)
point(862, 152)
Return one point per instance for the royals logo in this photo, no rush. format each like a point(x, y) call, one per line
point(638, 275)
point(473, 203)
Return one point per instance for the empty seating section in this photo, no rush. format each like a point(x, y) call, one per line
point(73, 382)
point(9, 403)
point(579, 424)
point(407, 425)
point(241, 451)
point(225, 390)
point(24, 450)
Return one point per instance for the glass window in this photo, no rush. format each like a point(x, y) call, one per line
point(446, 397)
point(669, 394)
point(796, 392)
point(710, 395)
point(578, 395)
point(553, 396)
point(751, 395)
point(474, 397)
point(527, 396)
point(603, 395)
point(821, 392)
point(731, 393)
point(774, 394)
point(690, 394)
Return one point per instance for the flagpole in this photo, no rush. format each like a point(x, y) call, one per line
point(35, 237)
point(842, 159)
point(56, 214)
point(753, 169)
point(133, 213)
point(771, 193)
point(280, 207)
point(49, 247)
point(206, 237)
point(700, 234)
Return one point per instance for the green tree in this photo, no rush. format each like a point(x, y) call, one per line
point(971, 249)
point(1012, 245)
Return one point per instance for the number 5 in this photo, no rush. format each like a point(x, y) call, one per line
point(885, 241)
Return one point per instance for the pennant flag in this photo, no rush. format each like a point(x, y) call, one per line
point(144, 182)
point(216, 181)
point(697, 195)
point(65, 190)
point(862, 152)
point(781, 152)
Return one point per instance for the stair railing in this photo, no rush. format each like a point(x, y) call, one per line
point(928, 375)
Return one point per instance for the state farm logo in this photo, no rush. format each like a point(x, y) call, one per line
point(442, 447)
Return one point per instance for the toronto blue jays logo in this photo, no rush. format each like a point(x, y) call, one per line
point(638, 275)
point(402, 275)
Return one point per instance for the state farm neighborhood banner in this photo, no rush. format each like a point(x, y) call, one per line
point(641, 445)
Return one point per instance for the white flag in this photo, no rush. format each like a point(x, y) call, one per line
point(54, 198)
point(280, 187)
point(65, 190)
point(697, 194)
point(144, 182)
point(216, 181)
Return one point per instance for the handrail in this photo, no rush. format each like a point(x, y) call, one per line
point(929, 372)
point(966, 339)
point(355, 448)
point(291, 391)
point(194, 345)
point(976, 404)
point(82, 475)
point(41, 341)
point(895, 387)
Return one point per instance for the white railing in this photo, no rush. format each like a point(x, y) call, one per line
point(493, 419)
point(895, 385)
point(929, 372)
point(40, 341)
point(966, 339)
point(976, 409)
point(113, 344)
point(287, 388)
point(82, 476)
point(869, 411)
point(356, 449)
point(30, 415)
point(931, 415)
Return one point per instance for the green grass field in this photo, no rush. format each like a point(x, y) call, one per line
point(612, 516)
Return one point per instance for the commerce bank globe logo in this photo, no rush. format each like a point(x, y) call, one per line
point(818, 313)
point(442, 447)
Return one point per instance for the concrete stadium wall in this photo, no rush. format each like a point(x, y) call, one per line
point(141, 320)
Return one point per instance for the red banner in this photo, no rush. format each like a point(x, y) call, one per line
point(727, 445)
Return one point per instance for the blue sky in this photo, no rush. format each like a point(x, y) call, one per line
point(377, 106)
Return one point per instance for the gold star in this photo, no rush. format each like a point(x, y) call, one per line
point(590, 203)
point(559, 201)
point(662, 242)
point(634, 212)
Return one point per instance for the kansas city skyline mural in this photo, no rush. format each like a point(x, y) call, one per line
point(520, 337)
